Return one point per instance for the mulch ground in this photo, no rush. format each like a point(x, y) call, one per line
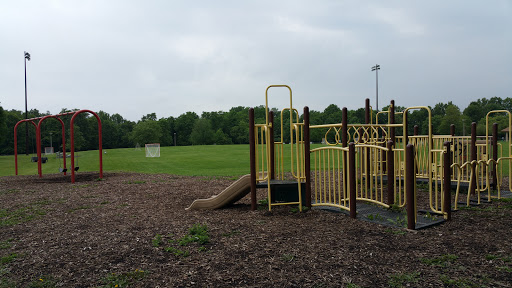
point(126, 229)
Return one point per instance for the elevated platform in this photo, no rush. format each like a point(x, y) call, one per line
point(284, 191)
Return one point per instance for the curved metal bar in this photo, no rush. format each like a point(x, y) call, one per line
point(72, 136)
point(16, 141)
point(38, 132)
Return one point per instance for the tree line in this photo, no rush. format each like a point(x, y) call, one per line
point(229, 127)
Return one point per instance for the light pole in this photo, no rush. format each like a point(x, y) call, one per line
point(174, 139)
point(376, 68)
point(51, 142)
point(27, 57)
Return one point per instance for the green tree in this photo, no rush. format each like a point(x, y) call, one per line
point(146, 132)
point(221, 138)
point(332, 114)
point(202, 133)
point(452, 116)
point(240, 133)
point(151, 117)
point(3, 125)
point(78, 138)
point(316, 118)
point(167, 126)
point(183, 126)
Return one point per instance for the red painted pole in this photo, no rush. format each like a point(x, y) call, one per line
point(72, 141)
point(252, 158)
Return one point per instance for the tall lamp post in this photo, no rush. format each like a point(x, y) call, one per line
point(376, 68)
point(27, 57)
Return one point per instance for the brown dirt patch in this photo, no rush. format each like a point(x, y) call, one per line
point(94, 233)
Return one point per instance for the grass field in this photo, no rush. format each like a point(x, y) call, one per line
point(211, 160)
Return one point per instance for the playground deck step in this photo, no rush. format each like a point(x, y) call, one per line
point(284, 191)
point(380, 215)
point(274, 183)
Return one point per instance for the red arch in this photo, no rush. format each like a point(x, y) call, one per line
point(72, 136)
point(38, 141)
point(16, 141)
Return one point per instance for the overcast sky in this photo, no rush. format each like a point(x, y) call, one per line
point(170, 57)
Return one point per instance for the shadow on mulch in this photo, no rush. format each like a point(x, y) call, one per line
point(388, 217)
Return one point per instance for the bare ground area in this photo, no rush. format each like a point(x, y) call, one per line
point(130, 230)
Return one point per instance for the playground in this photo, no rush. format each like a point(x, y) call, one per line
point(361, 188)
point(101, 233)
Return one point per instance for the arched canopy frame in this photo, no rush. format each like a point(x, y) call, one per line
point(38, 141)
point(31, 121)
point(72, 140)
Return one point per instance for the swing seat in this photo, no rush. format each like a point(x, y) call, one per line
point(76, 168)
point(43, 159)
point(63, 170)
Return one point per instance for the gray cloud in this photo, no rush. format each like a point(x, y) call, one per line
point(169, 57)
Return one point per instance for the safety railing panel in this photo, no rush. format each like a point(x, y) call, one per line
point(421, 152)
point(331, 133)
point(297, 152)
point(261, 152)
point(329, 180)
point(372, 174)
point(504, 161)
point(399, 173)
point(279, 160)
point(367, 134)
point(436, 182)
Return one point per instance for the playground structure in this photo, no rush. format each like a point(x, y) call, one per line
point(40, 121)
point(368, 163)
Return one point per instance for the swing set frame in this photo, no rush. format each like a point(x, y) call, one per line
point(40, 120)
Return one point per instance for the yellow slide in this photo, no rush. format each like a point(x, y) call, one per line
point(230, 195)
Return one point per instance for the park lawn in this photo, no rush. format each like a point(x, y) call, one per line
point(210, 160)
